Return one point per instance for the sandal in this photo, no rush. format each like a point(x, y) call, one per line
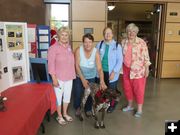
point(61, 121)
point(68, 118)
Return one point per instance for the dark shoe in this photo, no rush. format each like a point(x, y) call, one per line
point(96, 125)
point(110, 109)
point(81, 118)
point(79, 115)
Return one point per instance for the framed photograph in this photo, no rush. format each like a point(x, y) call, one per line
point(17, 74)
point(88, 30)
point(15, 37)
point(17, 56)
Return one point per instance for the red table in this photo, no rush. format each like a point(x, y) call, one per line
point(26, 106)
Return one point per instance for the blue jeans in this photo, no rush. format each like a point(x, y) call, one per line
point(78, 91)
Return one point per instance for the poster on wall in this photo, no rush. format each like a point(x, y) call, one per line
point(1, 45)
point(14, 37)
point(17, 74)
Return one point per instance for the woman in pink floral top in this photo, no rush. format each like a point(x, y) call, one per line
point(61, 67)
point(135, 68)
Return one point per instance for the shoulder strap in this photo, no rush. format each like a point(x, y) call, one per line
point(101, 44)
point(116, 45)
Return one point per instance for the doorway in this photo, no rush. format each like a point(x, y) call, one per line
point(148, 17)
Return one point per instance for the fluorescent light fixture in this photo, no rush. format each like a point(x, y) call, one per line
point(111, 7)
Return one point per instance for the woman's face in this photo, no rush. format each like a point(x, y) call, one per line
point(108, 35)
point(131, 34)
point(64, 37)
point(88, 44)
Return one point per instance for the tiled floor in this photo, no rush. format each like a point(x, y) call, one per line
point(162, 102)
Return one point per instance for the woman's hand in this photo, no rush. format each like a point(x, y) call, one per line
point(55, 82)
point(85, 83)
point(111, 77)
point(146, 71)
point(103, 85)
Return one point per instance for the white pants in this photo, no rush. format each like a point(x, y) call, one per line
point(63, 91)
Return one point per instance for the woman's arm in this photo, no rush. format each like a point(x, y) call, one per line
point(100, 71)
point(51, 66)
point(78, 70)
point(147, 62)
point(119, 61)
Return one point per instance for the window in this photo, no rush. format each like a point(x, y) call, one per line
point(59, 16)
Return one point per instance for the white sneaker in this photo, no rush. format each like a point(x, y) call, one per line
point(127, 109)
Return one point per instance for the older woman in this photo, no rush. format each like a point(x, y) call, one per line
point(61, 67)
point(88, 63)
point(135, 68)
point(112, 58)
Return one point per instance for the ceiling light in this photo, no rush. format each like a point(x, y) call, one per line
point(111, 6)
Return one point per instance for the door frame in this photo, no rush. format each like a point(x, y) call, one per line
point(159, 51)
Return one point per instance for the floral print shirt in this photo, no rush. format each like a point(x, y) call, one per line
point(140, 57)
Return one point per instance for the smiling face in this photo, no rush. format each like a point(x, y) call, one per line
point(132, 31)
point(131, 34)
point(88, 44)
point(108, 34)
point(63, 37)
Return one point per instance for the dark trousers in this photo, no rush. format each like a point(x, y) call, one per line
point(78, 91)
point(111, 85)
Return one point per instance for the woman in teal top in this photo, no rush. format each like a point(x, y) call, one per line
point(88, 65)
point(111, 58)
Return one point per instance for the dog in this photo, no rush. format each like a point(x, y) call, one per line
point(101, 102)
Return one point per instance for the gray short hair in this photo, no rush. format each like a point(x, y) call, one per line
point(132, 26)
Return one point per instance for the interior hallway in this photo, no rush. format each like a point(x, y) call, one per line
point(161, 103)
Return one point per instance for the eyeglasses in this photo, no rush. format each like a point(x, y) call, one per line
point(132, 32)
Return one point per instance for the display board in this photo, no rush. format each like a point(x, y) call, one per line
point(32, 40)
point(14, 59)
point(43, 35)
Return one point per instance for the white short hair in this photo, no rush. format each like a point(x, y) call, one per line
point(133, 27)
